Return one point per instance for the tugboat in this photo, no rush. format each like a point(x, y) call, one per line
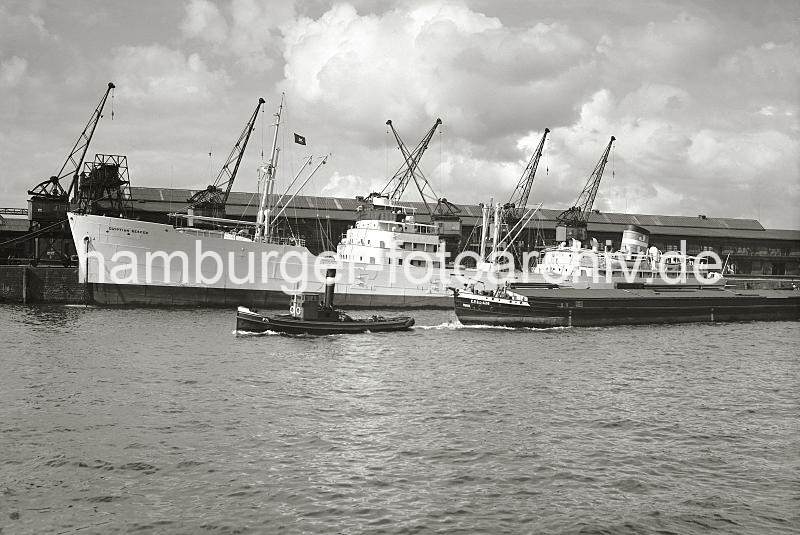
point(313, 313)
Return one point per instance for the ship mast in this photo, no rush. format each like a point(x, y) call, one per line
point(263, 217)
point(485, 226)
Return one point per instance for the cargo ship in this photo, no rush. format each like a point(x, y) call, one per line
point(387, 259)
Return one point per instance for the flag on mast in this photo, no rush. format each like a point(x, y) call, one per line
point(300, 140)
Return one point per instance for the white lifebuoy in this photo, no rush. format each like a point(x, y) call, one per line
point(292, 310)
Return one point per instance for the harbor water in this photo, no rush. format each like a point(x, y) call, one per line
point(166, 421)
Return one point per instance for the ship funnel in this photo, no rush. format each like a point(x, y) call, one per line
point(635, 240)
point(330, 284)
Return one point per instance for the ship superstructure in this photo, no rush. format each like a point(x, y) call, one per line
point(578, 266)
point(387, 234)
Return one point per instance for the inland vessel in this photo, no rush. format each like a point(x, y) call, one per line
point(312, 313)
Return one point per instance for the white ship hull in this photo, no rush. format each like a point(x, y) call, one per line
point(128, 262)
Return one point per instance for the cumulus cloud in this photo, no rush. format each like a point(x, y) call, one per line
point(12, 71)
point(739, 157)
point(663, 163)
point(431, 60)
point(679, 93)
point(204, 21)
point(703, 100)
point(244, 31)
point(350, 185)
point(19, 25)
point(490, 83)
point(157, 75)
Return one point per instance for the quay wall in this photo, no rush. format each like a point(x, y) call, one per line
point(57, 284)
point(41, 284)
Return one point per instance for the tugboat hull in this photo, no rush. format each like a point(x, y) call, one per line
point(250, 321)
point(590, 308)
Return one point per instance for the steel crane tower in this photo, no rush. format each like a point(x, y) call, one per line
point(49, 200)
point(409, 170)
point(212, 200)
point(512, 212)
point(514, 209)
point(444, 213)
point(572, 222)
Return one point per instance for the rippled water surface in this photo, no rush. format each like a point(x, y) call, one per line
point(166, 421)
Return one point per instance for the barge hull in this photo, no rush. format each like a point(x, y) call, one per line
point(585, 311)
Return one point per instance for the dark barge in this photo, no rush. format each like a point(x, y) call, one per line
point(568, 307)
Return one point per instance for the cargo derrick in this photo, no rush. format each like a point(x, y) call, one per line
point(49, 201)
point(572, 222)
point(211, 201)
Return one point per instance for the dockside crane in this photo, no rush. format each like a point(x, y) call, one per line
point(443, 214)
point(572, 222)
point(49, 200)
point(211, 201)
point(514, 214)
point(409, 170)
point(514, 209)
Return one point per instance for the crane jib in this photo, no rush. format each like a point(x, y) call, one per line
point(578, 214)
point(519, 198)
point(410, 168)
point(52, 186)
point(216, 195)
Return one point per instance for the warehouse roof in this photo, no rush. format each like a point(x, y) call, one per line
point(14, 224)
point(166, 199)
point(163, 200)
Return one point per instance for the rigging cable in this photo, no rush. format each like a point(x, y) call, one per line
point(386, 152)
point(613, 159)
point(249, 202)
point(263, 129)
point(441, 159)
point(467, 241)
point(546, 158)
point(210, 164)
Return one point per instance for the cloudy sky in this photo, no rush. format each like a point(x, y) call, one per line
point(703, 96)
